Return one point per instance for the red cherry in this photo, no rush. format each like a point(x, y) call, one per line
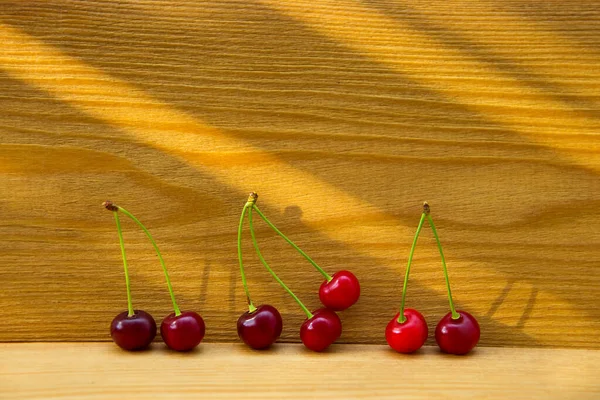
point(182, 332)
point(320, 331)
point(457, 336)
point(342, 291)
point(135, 332)
point(260, 328)
point(408, 336)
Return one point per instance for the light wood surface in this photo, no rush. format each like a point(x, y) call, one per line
point(344, 115)
point(92, 370)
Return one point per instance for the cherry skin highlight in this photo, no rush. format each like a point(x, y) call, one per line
point(408, 336)
point(261, 328)
point(457, 336)
point(183, 332)
point(320, 331)
point(342, 291)
point(135, 332)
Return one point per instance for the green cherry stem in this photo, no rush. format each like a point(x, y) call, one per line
point(249, 203)
point(298, 249)
point(455, 315)
point(283, 285)
point(162, 262)
point(401, 317)
point(130, 312)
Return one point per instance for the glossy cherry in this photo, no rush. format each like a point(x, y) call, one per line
point(339, 293)
point(182, 332)
point(321, 330)
point(132, 329)
point(134, 332)
point(407, 331)
point(260, 328)
point(457, 336)
point(407, 336)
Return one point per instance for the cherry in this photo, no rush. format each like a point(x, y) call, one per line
point(134, 332)
point(339, 293)
point(458, 332)
point(260, 328)
point(182, 332)
point(407, 331)
point(457, 336)
point(322, 327)
point(321, 330)
point(132, 329)
point(407, 336)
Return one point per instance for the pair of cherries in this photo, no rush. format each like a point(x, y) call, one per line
point(457, 332)
point(261, 326)
point(136, 329)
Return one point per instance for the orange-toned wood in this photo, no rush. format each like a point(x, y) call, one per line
point(344, 116)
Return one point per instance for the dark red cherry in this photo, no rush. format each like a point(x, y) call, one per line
point(457, 336)
point(135, 332)
point(342, 291)
point(320, 331)
point(183, 332)
point(408, 336)
point(261, 328)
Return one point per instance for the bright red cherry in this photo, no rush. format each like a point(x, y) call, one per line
point(135, 332)
point(182, 332)
point(342, 291)
point(260, 328)
point(407, 336)
point(337, 293)
point(320, 331)
point(457, 336)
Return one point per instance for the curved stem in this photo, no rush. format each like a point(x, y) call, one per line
point(455, 315)
point(283, 285)
point(251, 306)
point(162, 262)
point(130, 311)
point(401, 317)
point(298, 249)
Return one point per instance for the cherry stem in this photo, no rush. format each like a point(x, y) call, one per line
point(130, 311)
point(401, 317)
point(162, 262)
point(455, 315)
point(298, 249)
point(283, 285)
point(251, 306)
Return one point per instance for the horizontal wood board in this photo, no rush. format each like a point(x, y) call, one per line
point(217, 371)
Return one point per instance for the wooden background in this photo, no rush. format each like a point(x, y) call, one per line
point(344, 115)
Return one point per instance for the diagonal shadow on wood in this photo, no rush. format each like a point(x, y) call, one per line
point(540, 84)
point(97, 278)
point(182, 83)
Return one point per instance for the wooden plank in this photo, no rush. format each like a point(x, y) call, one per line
point(92, 370)
point(344, 116)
